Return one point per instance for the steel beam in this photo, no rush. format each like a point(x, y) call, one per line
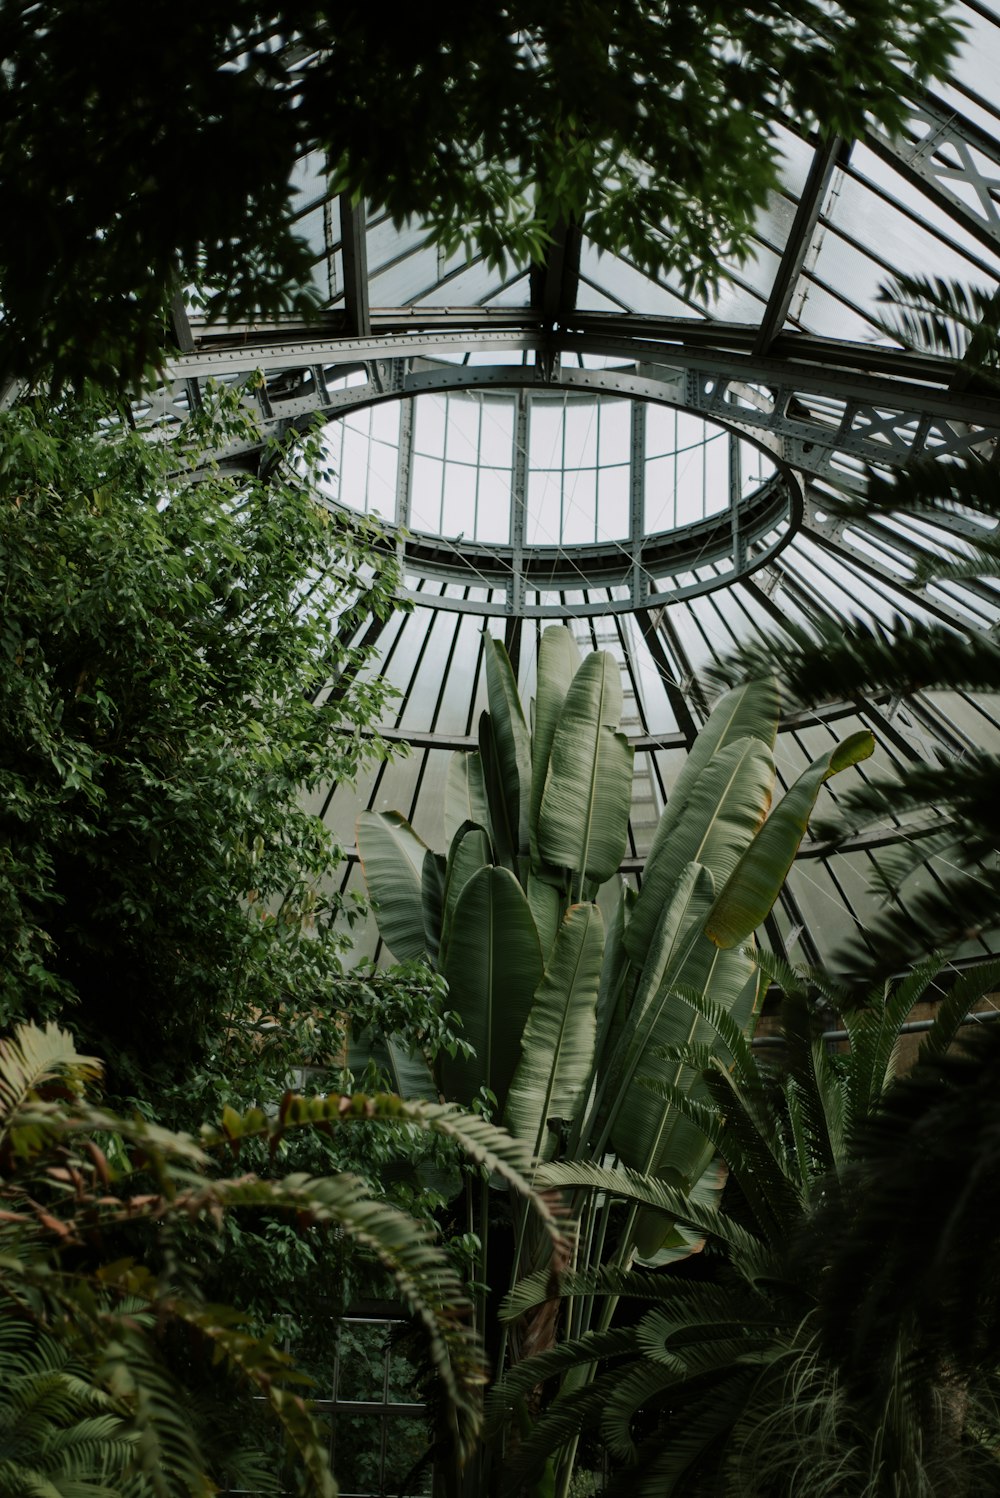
point(943, 151)
point(354, 251)
point(825, 158)
point(555, 283)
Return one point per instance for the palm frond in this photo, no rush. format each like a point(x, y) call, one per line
point(926, 487)
point(691, 1438)
point(939, 918)
point(30, 1060)
point(964, 993)
point(846, 661)
point(971, 565)
point(166, 1450)
point(484, 1143)
point(642, 1190)
point(752, 1153)
point(423, 1272)
point(530, 1372)
point(945, 317)
point(935, 1140)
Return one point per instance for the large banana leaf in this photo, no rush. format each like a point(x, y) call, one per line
point(406, 1067)
point(546, 905)
point(756, 881)
point(583, 819)
point(493, 965)
point(469, 852)
point(724, 809)
point(432, 898)
point(502, 796)
point(557, 1048)
point(511, 738)
point(411, 1075)
point(465, 794)
point(673, 939)
point(558, 663)
point(392, 859)
point(611, 996)
point(749, 711)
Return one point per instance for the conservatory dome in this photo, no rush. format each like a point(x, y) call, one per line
point(578, 441)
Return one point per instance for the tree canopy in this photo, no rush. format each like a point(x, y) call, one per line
point(166, 655)
point(648, 124)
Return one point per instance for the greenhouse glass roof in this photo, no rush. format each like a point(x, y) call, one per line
point(579, 441)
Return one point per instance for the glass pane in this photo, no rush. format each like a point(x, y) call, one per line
point(613, 503)
point(493, 513)
point(615, 431)
point(579, 507)
point(428, 425)
point(425, 499)
point(545, 440)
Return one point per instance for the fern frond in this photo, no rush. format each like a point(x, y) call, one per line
point(484, 1143)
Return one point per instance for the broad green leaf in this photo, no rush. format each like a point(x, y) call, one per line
point(674, 938)
point(583, 820)
point(546, 902)
point(614, 972)
point(558, 663)
point(756, 881)
point(410, 1073)
point(503, 812)
point(511, 738)
point(392, 859)
point(465, 793)
point(665, 1020)
point(469, 852)
point(557, 1048)
point(724, 809)
point(406, 1068)
point(749, 711)
point(680, 1242)
point(432, 898)
point(493, 966)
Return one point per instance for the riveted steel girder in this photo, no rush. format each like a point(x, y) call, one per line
point(817, 415)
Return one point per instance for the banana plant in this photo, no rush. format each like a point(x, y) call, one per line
point(566, 980)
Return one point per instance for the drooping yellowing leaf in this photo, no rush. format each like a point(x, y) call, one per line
point(756, 881)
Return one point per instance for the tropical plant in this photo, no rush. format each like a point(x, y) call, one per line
point(933, 1140)
point(59, 1433)
point(948, 806)
point(563, 1018)
point(169, 638)
point(730, 1383)
point(94, 1209)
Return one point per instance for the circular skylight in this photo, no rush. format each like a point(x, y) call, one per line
point(536, 490)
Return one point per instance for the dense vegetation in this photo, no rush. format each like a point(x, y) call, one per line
point(644, 124)
point(177, 668)
point(168, 646)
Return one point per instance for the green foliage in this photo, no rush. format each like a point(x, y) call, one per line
point(949, 806)
point(647, 125)
point(563, 1016)
point(740, 1380)
point(168, 641)
point(92, 1203)
point(59, 1434)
